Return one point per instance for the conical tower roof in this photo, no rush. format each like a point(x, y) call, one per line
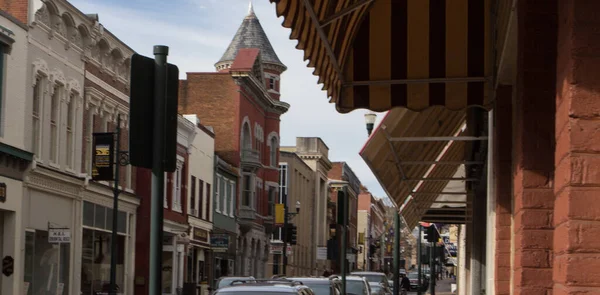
point(251, 35)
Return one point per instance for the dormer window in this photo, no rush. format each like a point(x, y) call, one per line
point(271, 83)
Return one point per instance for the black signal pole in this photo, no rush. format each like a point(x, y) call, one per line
point(286, 234)
point(122, 160)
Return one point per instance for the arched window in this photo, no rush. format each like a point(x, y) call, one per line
point(273, 151)
point(246, 137)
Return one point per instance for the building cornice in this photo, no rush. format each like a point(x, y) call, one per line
point(186, 132)
point(260, 92)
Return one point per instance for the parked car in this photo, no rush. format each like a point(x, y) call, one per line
point(265, 287)
point(414, 281)
point(321, 286)
point(373, 277)
point(226, 281)
point(379, 289)
point(357, 285)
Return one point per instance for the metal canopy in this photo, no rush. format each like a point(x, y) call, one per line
point(419, 160)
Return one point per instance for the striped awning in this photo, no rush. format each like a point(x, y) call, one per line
point(381, 54)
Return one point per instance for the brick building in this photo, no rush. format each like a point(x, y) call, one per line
point(506, 89)
point(241, 102)
point(371, 217)
point(176, 235)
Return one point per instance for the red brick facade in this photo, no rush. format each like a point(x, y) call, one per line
point(16, 8)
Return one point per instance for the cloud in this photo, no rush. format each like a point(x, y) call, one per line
point(198, 32)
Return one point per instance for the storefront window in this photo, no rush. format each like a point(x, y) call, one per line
point(46, 265)
point(96, 249)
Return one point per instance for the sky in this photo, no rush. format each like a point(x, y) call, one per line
point(198, 32)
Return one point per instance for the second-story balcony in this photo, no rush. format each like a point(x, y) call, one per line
point(251, 158)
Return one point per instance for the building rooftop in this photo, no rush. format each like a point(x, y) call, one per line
point(251, 35)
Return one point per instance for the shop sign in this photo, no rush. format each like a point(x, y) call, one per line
point(276, 249)
point(8, 266)
point(59, 235)
point(200, 235)
point(2, 192)
point(219, 242)
point(102, 161)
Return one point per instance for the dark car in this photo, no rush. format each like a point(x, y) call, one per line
point(414, 281)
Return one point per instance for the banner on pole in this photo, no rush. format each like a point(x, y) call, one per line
point(103, 158)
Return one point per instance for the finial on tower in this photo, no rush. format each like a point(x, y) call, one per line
point(250, 10)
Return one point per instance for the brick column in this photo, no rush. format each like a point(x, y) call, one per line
point(503, 171)
point(577, 158)
point(533, 148)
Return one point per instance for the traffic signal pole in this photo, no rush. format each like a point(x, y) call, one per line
point(419, 258)
point(158, 174)
point(285, 233)
point(396, 263)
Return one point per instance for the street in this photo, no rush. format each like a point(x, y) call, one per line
point(442, 288)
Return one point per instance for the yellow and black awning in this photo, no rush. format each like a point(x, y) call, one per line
point(381, 54)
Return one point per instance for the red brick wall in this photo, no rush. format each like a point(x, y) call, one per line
point(577, 159)
point(16, 8)
point(213, 97)
point(503, 163)
point(534, 148)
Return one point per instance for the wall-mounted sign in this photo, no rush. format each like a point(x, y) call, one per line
point(219, 242)
point(59, 235)
point(200, 235)
point(2, 192)
point(103, 158)
point(8, 266)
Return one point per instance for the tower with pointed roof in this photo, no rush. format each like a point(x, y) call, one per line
point(251, 34)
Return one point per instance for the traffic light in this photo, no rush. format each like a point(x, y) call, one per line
point(292, 234)
point(431, 234)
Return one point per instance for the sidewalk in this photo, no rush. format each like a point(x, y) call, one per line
point(443, 287)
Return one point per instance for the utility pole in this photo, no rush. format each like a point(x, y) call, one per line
point(343, 196)
point(419, 280)
point(396, 263)
point(432, 268)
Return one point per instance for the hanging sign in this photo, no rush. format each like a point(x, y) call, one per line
point(103, 158)
point(8, 266)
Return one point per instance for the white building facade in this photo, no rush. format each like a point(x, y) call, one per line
point(14, 157)
point(77, 79)
point(200, 184)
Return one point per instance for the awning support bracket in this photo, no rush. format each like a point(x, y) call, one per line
point(343, 12)
point(417, 81)
point(396, 159)
point(438, 138)
point(324, 40)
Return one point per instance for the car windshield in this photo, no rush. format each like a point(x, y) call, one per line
point(413, 276)
point(375, 287)
point(356, 287)
point(319, 288)
point(374, 278)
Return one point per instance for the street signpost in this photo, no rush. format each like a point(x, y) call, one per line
point(153, 138)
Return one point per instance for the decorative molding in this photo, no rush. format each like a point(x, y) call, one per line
point(74, 86)
point(57, 76)
point(271, 135)
point(44, 179)
point(103, 195)
point(40, 66)
point(107, 87)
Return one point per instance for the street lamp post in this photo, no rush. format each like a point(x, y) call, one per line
point(370, 121)
point(286, 217)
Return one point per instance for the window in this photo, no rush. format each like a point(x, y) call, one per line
point(166, 182)
point(273, 156)
point(208, 202)
point(224, 194)
point(246, 198)
point(232, 198)
point(271, 83)
point(43, 261)
point(70, 123)
point(283, 179)
point(54, 117)
point(193, 197)
point(177, 186)
point(88, 140)
point(217, 195)
point(271, 207)
point(96, 248)
point(36, 117)
point(201, 199)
